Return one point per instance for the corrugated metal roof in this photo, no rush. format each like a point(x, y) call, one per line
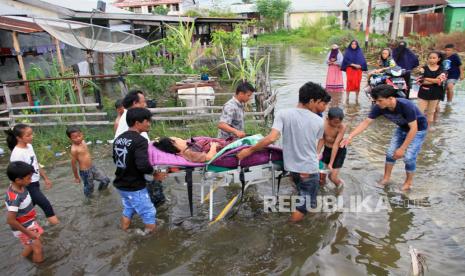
point(73, 5)
point(410, 3)
point(138, 3)
point(19, 24)
point(318, 5)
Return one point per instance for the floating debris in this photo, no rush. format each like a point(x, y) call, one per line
point(418, 262)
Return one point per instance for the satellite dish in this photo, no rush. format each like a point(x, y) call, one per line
point(91, 37)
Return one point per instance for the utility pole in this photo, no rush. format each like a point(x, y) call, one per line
point(367, 27)
point(395, 21)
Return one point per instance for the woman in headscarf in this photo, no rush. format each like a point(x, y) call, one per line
point(406, 59)
point(334, 80)
point(385, 62)
point(354, 64)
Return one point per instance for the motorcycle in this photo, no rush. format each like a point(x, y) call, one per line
point(394, 77)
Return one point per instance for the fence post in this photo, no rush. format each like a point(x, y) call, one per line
point(122, 85)
point(81, 97)
point(8, 104)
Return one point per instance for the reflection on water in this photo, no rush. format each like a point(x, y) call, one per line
point(89, 242)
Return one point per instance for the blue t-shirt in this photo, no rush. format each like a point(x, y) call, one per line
point(404, 113)
point(454, 70)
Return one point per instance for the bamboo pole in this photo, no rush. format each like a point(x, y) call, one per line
point(59, 56)
point(225, 62)
point(22, 69)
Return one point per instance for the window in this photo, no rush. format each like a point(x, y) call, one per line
point(175, 7)
point(150, 9)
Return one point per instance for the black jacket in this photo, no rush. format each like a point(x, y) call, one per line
point(130, 154)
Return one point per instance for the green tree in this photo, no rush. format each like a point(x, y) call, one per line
point(272, 12)
point(160, 10)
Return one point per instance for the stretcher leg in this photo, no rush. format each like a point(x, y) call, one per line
point(210, 215)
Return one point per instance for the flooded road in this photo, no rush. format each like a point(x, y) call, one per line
point(430, 218)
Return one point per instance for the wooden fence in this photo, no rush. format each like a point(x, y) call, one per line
point(84, 113)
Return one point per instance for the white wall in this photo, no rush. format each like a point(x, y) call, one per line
point(30, 9)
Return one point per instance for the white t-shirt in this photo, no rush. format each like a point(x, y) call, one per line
point(27, 155)
point(123, 127)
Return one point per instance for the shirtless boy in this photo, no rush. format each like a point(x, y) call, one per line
point(88, 172)
point(333, 155)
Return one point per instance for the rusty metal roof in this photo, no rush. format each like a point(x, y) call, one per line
point(19, 24)
point(138, 3)
point(410, 3)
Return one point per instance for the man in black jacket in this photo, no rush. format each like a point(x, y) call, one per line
point(131, 158)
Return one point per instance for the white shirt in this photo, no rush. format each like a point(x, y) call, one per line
point(123, 127)
point(28, 156)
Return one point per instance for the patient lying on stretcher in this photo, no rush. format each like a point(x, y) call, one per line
point(198, 151)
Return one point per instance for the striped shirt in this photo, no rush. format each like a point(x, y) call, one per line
point(21, 204)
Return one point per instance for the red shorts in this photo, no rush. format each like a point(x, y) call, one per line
point(25, 239)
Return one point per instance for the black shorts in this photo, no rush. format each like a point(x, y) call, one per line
point(340, 157)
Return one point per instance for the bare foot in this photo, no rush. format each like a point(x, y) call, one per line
point(296, 217)
point(26, 252)
point(406, 187)
point(53, 220)
point(340, 185)
point(381, 184)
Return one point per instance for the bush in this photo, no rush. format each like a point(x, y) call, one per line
point(456, 38)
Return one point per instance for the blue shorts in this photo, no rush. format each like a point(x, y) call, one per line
point(453, 81)
point(138, 202)
point(308, 188)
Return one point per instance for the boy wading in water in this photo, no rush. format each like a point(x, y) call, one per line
point(88, 172)
point(333, 155)
point(21, 215)
point(408, 137)
point(130, 154)
point(302, 131)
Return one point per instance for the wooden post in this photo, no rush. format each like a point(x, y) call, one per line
point(8, 104)
point(367, 27)
point(395, 21)
point(122, 85)
point(81, 98)
point(59, 56)
point(22, 69)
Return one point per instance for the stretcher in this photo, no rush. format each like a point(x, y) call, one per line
point(223, 170)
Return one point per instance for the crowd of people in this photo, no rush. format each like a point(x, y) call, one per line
point(306, 138)
point(436, 80)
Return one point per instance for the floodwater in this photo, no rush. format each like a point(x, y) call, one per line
point(430, 218)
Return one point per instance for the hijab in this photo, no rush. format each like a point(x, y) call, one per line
point(354, 56)
point(334, 52)
point(404, 57)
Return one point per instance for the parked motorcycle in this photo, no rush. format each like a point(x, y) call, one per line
point(394, 77)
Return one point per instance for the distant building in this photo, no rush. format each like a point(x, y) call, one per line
point(148, 6)
point(306, 12)
point(417, 16)
point(455, 16)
